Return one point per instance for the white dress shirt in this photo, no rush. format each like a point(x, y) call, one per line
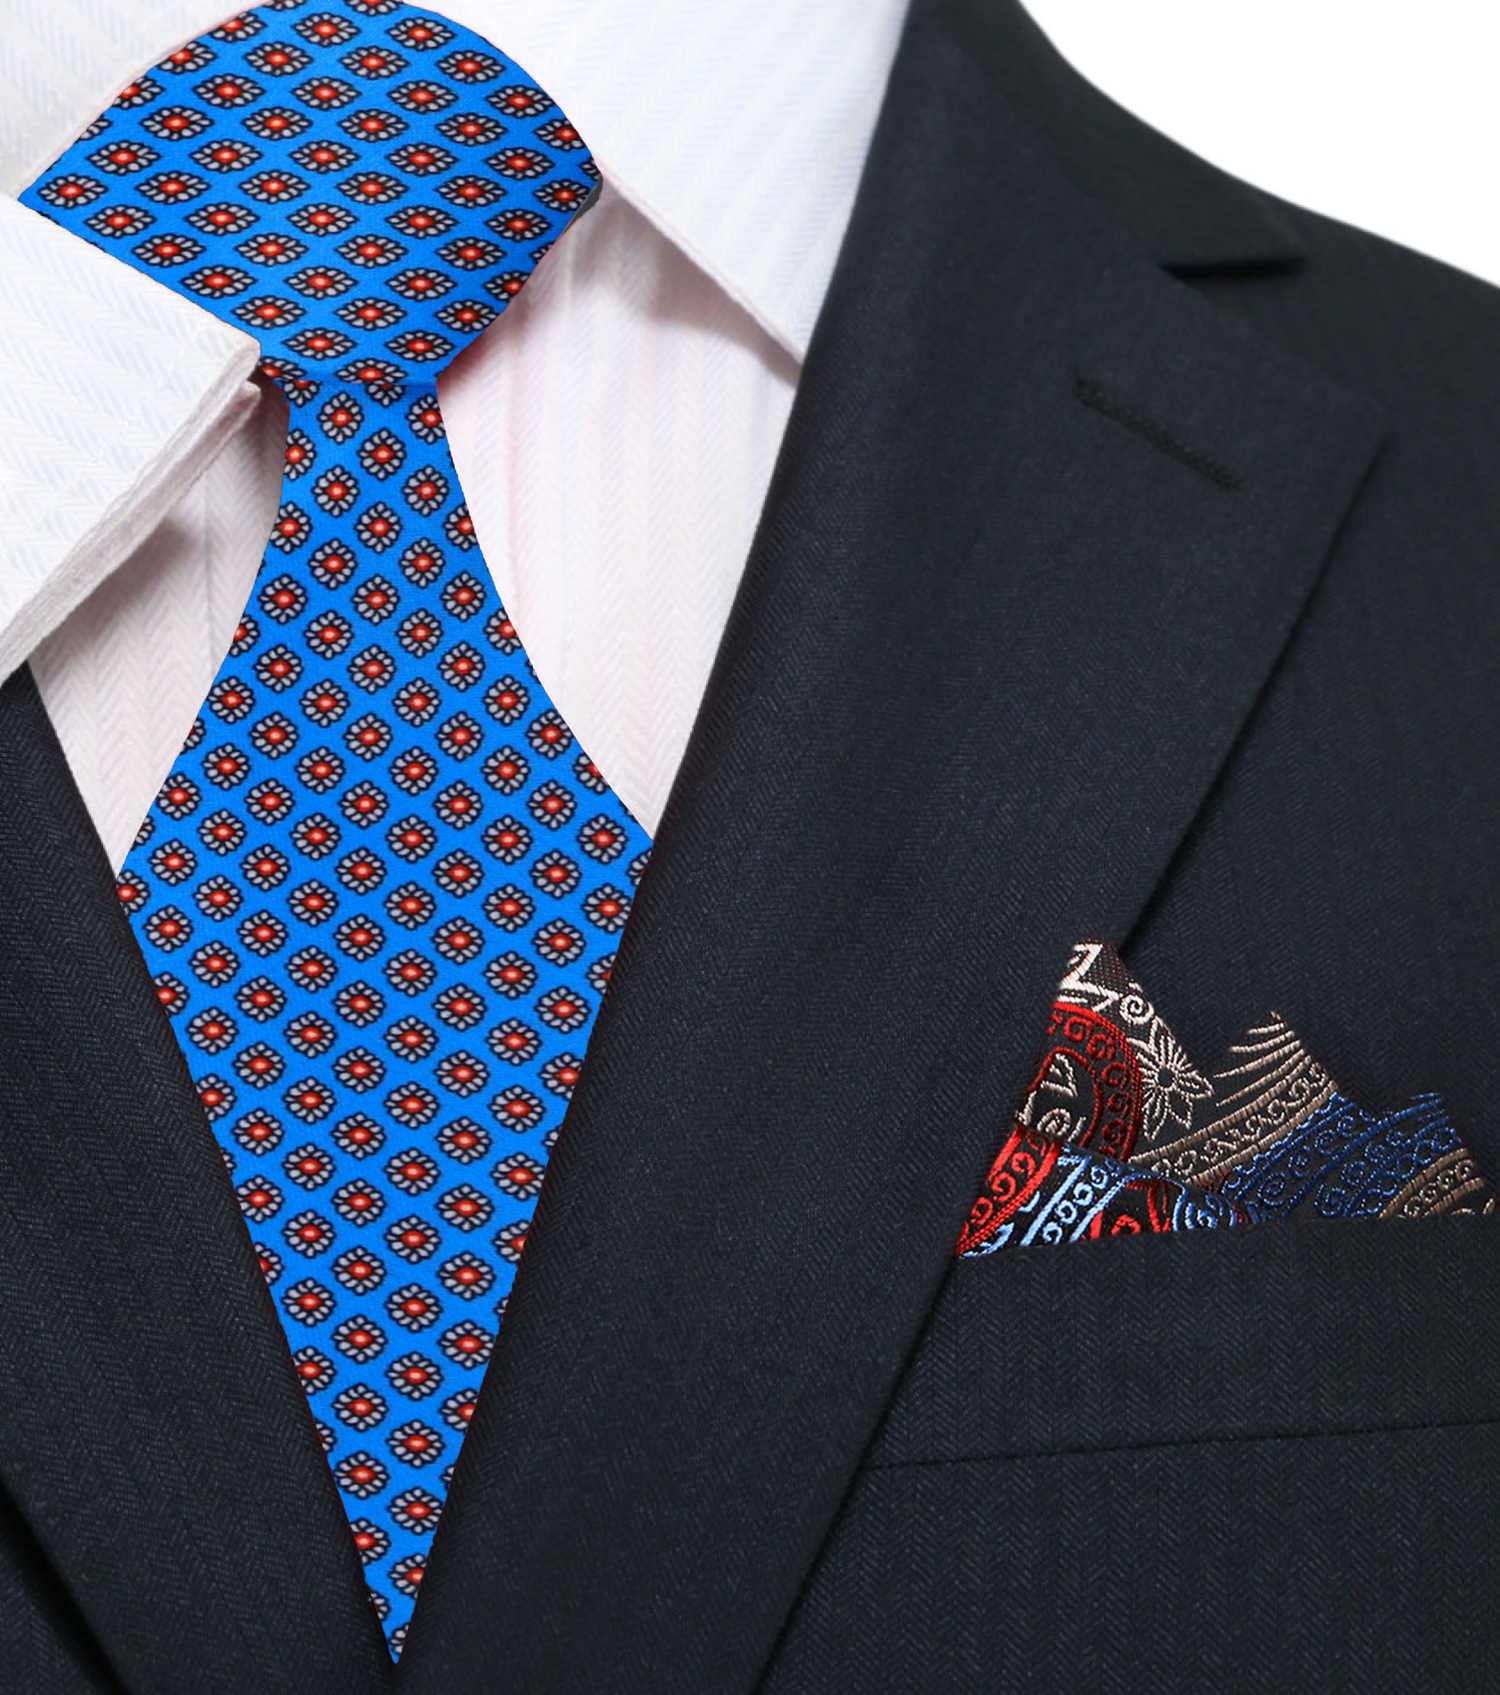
point(614, 431)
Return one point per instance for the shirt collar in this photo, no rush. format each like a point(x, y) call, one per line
point(739, 129)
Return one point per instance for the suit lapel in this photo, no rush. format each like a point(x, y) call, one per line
point(152, 1430)
point(1188, 215)
point(1042, 523)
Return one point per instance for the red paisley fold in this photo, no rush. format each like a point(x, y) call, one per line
point(1102, 1050)
point(1019, 1171)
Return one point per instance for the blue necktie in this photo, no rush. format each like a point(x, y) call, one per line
point(381, 892)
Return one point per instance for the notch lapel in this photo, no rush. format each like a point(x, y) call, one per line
point(152, 1431)
point(1042, 523)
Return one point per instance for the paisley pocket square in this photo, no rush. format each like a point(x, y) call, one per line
point(1121, 1133)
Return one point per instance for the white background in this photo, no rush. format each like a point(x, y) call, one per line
point(1386, 115)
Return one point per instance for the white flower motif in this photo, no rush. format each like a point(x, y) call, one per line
point(1172, 1082)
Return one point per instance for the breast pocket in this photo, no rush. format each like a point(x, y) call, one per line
point(1263, 1459)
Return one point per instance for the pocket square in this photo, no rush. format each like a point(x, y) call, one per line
point(1121, 1133)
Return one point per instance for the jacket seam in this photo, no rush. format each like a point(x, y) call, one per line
point(1079, 1449)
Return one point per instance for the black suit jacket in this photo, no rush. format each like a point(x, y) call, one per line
point(1130, 568)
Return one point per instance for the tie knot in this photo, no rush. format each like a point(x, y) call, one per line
point(363, 188)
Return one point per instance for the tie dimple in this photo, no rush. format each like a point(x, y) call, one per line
point(381, 892)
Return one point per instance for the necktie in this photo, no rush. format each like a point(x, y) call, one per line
point(380, 893)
